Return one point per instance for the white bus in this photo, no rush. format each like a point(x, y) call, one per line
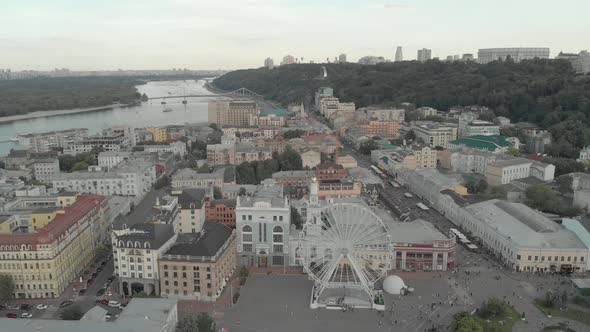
point(422, 207)
point(394, 184)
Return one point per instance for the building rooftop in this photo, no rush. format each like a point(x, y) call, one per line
point(155, 234)
point(226, 202)
point(277, 112)
point(524, 226)
point(415, 232)
point(293, 174)
point(510, 162)
point(192, 198)
point(187, 173)
point(268, 192)
point(481, 142)
point(203, 244)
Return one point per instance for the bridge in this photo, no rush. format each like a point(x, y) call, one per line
point(241, 92)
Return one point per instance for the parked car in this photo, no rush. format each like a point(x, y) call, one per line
point(2, 307)
point(110, 279)
point(66, 303)
point(100, 292)
point(82, 291)
point(122, 306)
point(98, 269)
point(13, 306)
point(94, 274)
point(114, 304)
point(25, 306)
point(103, 263)
point(108, 316)
point(89, 282)
point(41, 306)
point(11, 315)
point(26, 315)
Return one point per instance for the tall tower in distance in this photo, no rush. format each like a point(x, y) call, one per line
point(399, 56)
point(424, 54)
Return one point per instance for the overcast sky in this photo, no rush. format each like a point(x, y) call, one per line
point(230, 34)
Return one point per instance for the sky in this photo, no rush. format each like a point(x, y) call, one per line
point(232, 34)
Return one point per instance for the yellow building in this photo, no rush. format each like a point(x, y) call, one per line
point(158, 134)
point(44, 261)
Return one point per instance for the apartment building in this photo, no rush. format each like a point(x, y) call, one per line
point(469, 125)
point(232, 113)
point(158, 134)
point(433, 133)
point(381, 114)
point(383, 129)
point(43, 262)
point(111, 159)
point(222, 211)
point(108, 141)
point(189, 178)
point(197, 266)
point(191, 215)
point(503, 171)
point(45, 169)
point(136, 251)
point(42, 142)
point(262, 223)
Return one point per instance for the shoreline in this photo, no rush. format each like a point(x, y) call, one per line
point(43, 114)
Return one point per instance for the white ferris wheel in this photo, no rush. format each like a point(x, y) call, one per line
point(345, 246)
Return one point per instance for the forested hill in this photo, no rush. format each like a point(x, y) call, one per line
point(42, 94)
point(546, 92)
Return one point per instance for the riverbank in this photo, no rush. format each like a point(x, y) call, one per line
point(43, 114)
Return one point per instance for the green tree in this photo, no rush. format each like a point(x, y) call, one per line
point(101, 251)
point(162, 182)
point(204, 169)
point(242, 191)
point(6, 287)
point(513, 151)
point(464, 322)
point(72, 312)
point(410, 135)
point(244, 273)
point(79, 166)
point(293, 133)
point(196, 323)
point(214, 126)
point(564, 184)
point(296, 218)
point(540, 197)
point(367, 146)
point(471, 186)
point(492, 308)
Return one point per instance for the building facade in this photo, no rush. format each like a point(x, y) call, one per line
point(222, 211)
point(517, 54)
point(234, 113)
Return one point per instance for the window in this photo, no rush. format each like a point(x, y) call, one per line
point(529, 258)
point(166, 274)
point(277, 248)
point(247, 247)
point(166, 283)
point(518, 257)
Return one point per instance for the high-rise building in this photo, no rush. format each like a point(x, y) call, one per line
point(269, 63)
point(517, 54)
point(399, 56)
point(234, 113)
point(424, 54)
point(288, 59)
point(580, 62)
point(342, 58)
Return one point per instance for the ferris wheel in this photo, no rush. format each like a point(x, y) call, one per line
point(345, 246)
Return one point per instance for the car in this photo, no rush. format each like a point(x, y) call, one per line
point(114, 304)
point(82, 291)
point(110, 279)
point(26, 315)
point(13, 306)
point(100, 292)
point(41, 306)
point(89, 282)
point(66, 303)
point(108, 316)
point(25, 306)
point(94, 274)
point(11, 315)
point(2, 307)
point(105, 302)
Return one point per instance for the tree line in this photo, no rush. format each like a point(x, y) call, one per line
point(256, 171)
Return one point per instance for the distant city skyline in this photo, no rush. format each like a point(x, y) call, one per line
point(208, 35)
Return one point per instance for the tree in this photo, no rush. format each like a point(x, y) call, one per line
point(564, 184)
point(289, 134)
point(162, 182)
point(244, 273)
point(540, 197)
point(102, 251)
point(217, 193)
point(482, 186)
point(2, 164)
point(214, 126)
point(367, 146)
point(471, 186)
point(81, 165)
point(196, 323)
point(6, 287)
point(464, 322)
point(549, 301)
point(242, 191)
point(410, 135)
point(513, 151)
point(204, 169)
point(492, 308)
point(72, 312)
point(296, 218)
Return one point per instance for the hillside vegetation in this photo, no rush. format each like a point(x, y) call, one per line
point(43, 94)
point(546, 92)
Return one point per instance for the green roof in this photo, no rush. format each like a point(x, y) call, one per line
point(480, 142)
point(276, 111)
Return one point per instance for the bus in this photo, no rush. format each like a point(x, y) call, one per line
point(394, 184)
point(408, 195)
point(422, 207)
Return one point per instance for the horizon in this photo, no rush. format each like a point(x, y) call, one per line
point(235, 34)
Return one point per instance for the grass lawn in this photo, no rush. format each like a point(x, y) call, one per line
point(573, 314)
point(494, 325)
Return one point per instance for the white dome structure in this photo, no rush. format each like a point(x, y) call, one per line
point(393, 285)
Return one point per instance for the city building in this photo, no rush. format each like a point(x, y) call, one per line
point(112, 158)
point(434, 133)
point(311, 158)
point(408, 157)
point(424, 112)
point(517, 54)
point(342, 58)
point(524, 239)
point(469, 125)
point(231, 113)
point(347, 161)
point(580, 62)
point(49, 250)
point(536, 139)
point(220, 154)
point(399, 56)
point(249, 153)
point(384, 114)
point(132, 178)
point(222, 211)
point(191, 210)
point(293, 178)
point(322, 92)
point(480, 142)
point(467, 57)
point(231, 191)
point(42, 142)
point(584, 154)
point(503, 171)
point(288, 60)
point(189, 178)
point(424, 54)
point(177, 148)
point(269, 63)
point(329, 170)
point(107, 141)
point(197, 266)
point(344, 187)
point(137, 249)
point(383, 129)
point(45, 169)
point(263, 222)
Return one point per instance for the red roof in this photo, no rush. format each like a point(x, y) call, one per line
point(63, 221)
point(537, 157)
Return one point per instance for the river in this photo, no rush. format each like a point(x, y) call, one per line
point(148, 113)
